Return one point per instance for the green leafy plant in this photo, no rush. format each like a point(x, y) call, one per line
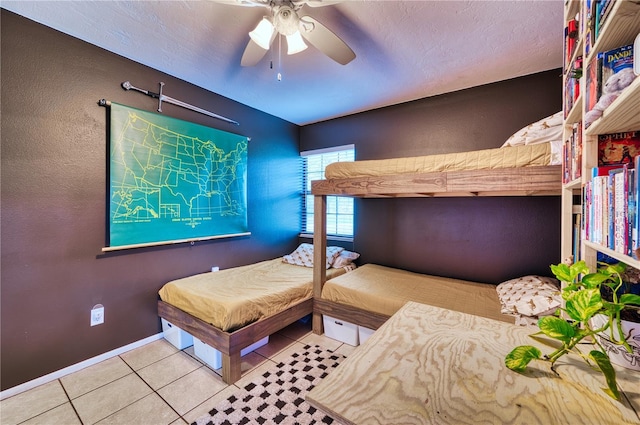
point(583, 301)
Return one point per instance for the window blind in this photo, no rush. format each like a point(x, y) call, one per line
point(340, 211)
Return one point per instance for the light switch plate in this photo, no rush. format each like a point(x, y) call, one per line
point(97, 315)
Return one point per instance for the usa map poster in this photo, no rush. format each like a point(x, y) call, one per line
point(173, 181)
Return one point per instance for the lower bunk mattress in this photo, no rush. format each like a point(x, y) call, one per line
point(385, 290)
point(232, 298)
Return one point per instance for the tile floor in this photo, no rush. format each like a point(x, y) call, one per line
point(156, 384)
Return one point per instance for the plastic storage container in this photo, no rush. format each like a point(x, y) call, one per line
point(213, 357)
point(340, 330)
point(176, 336)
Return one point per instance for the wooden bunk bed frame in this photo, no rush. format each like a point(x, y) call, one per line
point(525, 181)
point(231, 343)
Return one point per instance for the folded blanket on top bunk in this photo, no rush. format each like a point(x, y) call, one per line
point(232, 298)
point(487, 159)
point(385, 290)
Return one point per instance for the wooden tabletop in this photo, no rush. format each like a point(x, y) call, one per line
point(427, 365)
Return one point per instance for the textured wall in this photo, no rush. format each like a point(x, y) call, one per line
point(54, 197)
point(481, 239)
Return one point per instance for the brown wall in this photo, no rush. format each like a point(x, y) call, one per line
point(480, 239)
point(54, 187)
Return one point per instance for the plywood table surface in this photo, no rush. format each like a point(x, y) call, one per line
point(428, 365)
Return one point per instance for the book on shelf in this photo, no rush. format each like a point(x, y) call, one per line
point(596, 13)
point(572, 85)
point(618, 148)
point(634, 206)
point(618, 209)
point(572, 154)
point(605, 8)
point(616, 60)
point(632, 223)
point(593, 82)
point(576, 236)
point(590, 18)
point(570, 41)
point(602, 9)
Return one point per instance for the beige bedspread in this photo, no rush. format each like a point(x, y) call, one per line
point(385, 290)
point(232, 298)
point(487, 159)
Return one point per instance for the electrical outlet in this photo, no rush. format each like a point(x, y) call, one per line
point(215, 268)
point(97, 315)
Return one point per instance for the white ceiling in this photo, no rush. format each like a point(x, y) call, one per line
point(405, 50)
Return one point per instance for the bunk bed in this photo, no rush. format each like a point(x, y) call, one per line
point(512, 170)
point(233, 308)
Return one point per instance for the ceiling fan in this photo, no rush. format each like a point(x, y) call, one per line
point(284, 19)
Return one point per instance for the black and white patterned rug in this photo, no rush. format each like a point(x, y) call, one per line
point(277, 396)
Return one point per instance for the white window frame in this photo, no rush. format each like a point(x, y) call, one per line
point(335, 229)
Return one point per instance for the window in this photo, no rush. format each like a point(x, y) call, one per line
point(339, 208)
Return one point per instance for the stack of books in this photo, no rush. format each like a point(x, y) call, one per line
point(610, 206)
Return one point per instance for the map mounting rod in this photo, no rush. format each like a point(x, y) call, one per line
point(164, 98)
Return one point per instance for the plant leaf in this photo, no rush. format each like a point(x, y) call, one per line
point(582, 305)
point(556, 328)
point(594, 280)
point(562, 272)
point(521, 356)
point(628, 299)
point(611, 269)
point(602, 360)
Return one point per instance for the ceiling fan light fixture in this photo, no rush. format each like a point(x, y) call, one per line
point(295, 43)
point(262, 34)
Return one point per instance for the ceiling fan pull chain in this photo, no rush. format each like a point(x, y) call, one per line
point(279, 57)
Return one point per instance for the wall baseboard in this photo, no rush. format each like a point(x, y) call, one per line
point(76, 367)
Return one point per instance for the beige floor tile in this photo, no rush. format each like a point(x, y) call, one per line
point(251, 360)
point(346, 349)
point(167, 370)
point(95, 376)
point(106, 400)
point(61, 415)
point(180, 421)
point(148, 410)
point(28, 404)
point(148, 353)
point(191, 390)
point(207, 405)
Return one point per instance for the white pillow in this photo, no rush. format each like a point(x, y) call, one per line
point(529, 296)
point(548, 129)
point(303, 255)
point(345, 258)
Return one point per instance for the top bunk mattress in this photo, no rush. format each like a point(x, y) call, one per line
point(488, 159)
point(385, 290)
point(232, 298)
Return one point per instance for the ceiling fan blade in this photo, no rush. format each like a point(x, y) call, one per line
point(320, 3)
point(323, 39)
point(252, 54)
point(246, 3)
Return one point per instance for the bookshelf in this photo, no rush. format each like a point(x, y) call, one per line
point(620, 27)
